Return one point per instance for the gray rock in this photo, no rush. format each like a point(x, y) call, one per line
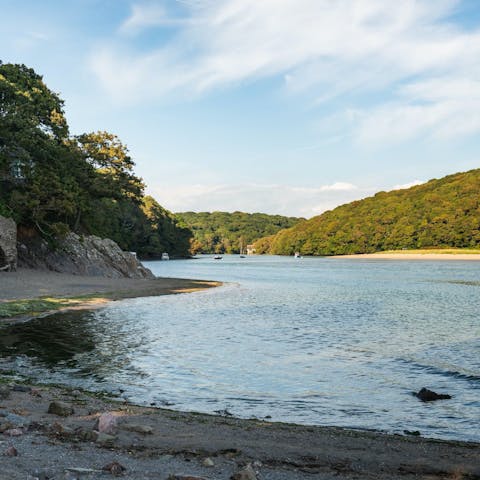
point(4, 393)
point(62, 409)
point(208, 462)
point(8, 244)
point(247, 473)
point(88, 255)
point(104, 438)
point(426, 395)
point(133, 427)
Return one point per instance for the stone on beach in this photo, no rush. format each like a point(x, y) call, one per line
point(133, 427)
point(426, 395)
point(106, 423)
point(11, 452)
point(247, 473)
point(114, 468)
point(62, 409)
point(13, 432)
point(208, 462)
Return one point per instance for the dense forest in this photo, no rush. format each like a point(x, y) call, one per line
point(52, 182)
point(440, 213)
point(222, 232)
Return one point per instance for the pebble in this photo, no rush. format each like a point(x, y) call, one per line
point(13, 432)
point(132, 427)
point(62, 409)
point(247, 473)
point(104, 438)
point(208, 462)
point(106, 423)
point(114, 468)
point(11, 452)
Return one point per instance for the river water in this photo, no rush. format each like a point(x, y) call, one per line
point(313, 341)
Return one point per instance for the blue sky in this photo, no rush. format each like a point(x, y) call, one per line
point(280, 106)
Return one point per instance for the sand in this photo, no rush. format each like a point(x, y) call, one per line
point(412, 256)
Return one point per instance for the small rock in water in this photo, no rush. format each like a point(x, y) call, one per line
point(11, 452)
point(426, 395)
point(247, 473)
point(414, 433)
point(208, 462)
point(62, 409)
point(106, 423)
point(114, 468)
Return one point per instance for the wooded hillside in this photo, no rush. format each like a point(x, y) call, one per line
point(440, 213)
point(222, 232)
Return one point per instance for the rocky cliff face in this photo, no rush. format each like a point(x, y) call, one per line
point(8, 244)
point(89, 255)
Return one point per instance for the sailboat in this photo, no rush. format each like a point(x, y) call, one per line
point(242, 250)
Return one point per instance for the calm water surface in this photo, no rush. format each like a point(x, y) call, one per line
point(314, 341)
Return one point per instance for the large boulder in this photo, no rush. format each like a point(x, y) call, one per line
point(81, 255)
point(8, 244)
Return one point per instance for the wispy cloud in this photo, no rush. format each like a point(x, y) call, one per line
point(275, 199)
point(344, 50)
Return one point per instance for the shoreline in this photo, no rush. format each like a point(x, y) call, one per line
point(26, 293)
point(474, 257)
point(155, 443)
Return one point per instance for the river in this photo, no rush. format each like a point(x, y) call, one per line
point(314, 341)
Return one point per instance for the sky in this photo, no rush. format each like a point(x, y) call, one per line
point(280, 106)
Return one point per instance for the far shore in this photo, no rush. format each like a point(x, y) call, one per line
point(440, 256)
point(32, 292)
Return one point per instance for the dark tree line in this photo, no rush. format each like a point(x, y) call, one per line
point(52, 182)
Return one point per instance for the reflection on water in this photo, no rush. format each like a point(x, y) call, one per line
point(316, 341)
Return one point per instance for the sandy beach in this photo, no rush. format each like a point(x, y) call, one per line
point(413, 256)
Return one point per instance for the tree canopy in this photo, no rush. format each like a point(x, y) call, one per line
point(222, 232)
point(53, 182)
point(439, 213)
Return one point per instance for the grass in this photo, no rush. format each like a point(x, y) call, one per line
point(35, 306)
point(450, 251)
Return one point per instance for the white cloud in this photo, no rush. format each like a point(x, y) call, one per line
point(344, 49)
point(144, 16)
point(413, 183)
point(274, 199)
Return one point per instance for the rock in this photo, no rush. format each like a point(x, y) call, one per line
point(13, 432)
point(104, 438)
point(62, 430)
point(184, 477)
point(133, 427)
point(8, 244)
point(106, 423)
point(86, 255)
point(11, 452)
point(4, 393)
point(208, 462)
point(62, 409)
point(6, 426)
point(13, 419)
point(247, 473)
point(414, 433)
point(114, 468)
point(426, 395)
point(22, 388)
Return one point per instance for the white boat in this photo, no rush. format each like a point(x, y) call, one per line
point(217, 257)
point(297, 255)
point(165, 256)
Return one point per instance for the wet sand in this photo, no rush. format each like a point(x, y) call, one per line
point(29, 284)
point(154, 443)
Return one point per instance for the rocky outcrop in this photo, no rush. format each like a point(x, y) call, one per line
point(8, 244)
point(80, 255)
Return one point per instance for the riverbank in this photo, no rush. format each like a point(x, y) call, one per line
point(32, 292)
point(440, 255)
point(154, 443)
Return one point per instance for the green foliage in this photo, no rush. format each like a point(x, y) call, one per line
point(222, 232)
point(55, 183)
point(440, 213)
